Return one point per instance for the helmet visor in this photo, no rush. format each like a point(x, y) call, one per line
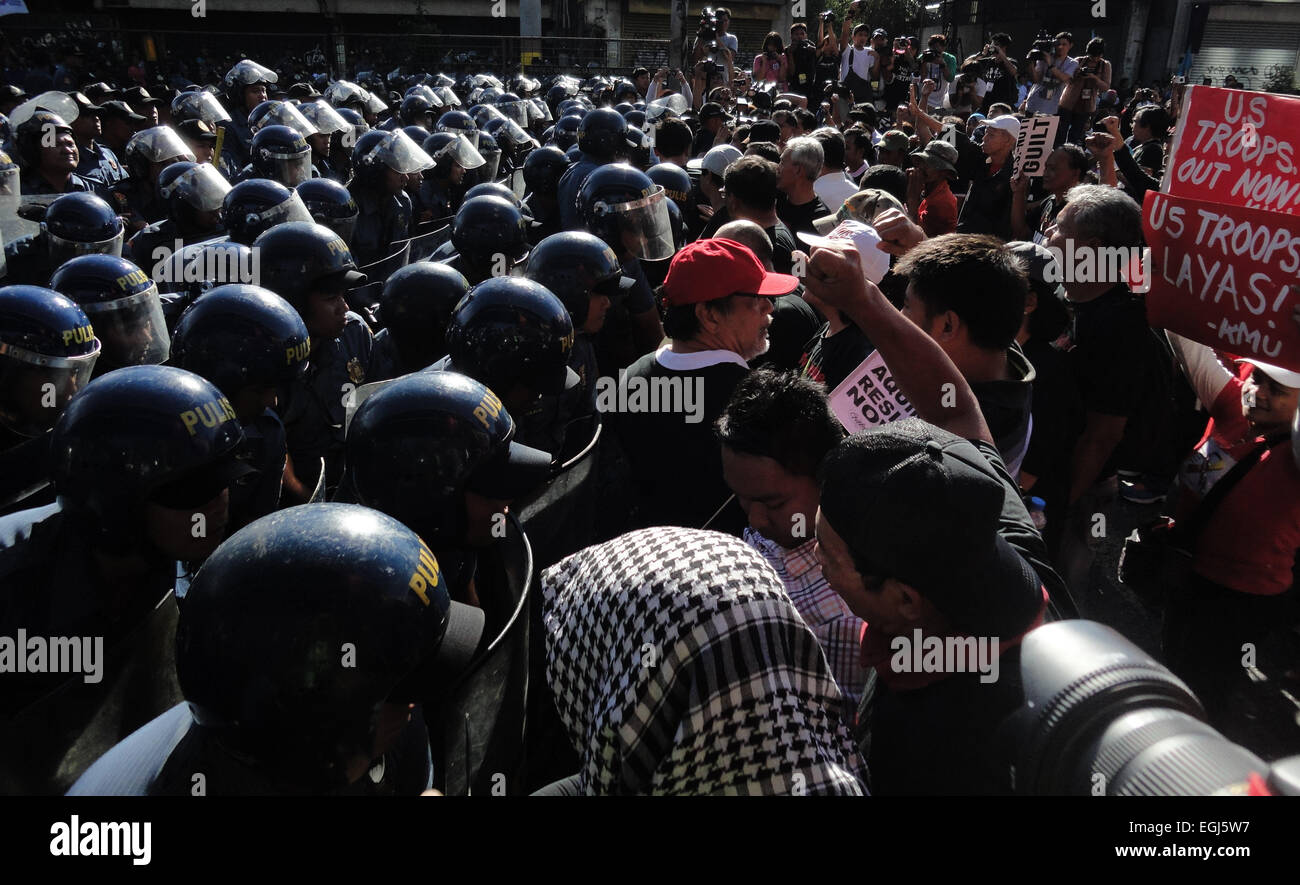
point(668, 106)
point(203, 187)
point(290, 170)
point(645, 226)
point(62, 250)
point(399, 153)
point(462, 152)
point(543, 110)
point(11, 192)
point(285, 114)
point(520, 111)
point(491, 163)
point(27, 378)
point(448, 98)
point(344, 227)
point(373, 103)
point(324, 117)
point(199, 106)
point(292, 209)
point(509, 132)
point(132, 329)
point(342, 92)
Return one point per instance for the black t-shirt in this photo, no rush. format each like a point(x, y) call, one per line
point(830, 358)
point(1123, 369)
point(1058, 420)
point(1006, 406)
point(803, 72)
point(800, 218)
point(783, 247)
point(987, 209)
point(1002, 85)
point(793, 322)
point(673, 456)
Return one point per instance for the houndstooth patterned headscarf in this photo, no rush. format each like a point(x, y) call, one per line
point(680, 667)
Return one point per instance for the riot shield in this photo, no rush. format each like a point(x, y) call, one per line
point(47, 745)
point(482, 716)
point(379, 271)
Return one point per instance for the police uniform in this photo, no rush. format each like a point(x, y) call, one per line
point(543, 225)
point(382, 220)
point(567, 191)
point(263, 449)
point(313, 408)
point(99, 163)
point(36, 185)
point(138, 204)
point(437, 197)
point(141, 247)
point(52, 588)
point(384, 359)
point(27, 261)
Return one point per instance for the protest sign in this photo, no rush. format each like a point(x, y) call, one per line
point(1226, 276)
point(869, 397)
point(1237, 148)
point(1033, 144)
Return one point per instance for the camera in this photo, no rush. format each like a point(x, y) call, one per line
point(1100, 716)
point(828, 16)
point(708, 24)
point(1044, 46)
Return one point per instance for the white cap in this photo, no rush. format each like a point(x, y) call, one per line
point(1282, 376)
point(1006, 123)
point(875, 262)
point(719, 158)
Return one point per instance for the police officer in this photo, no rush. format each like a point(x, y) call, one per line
point(47, 352)
point(342, 143)
point(415, 307)
point(442, 189)
point(194, 193)
point(249, 342)
point(74, 224)
point(279, 153)
point(602, 138)
point(627, 210)
point(123, 303)
point(199, 117)
point(438, 451)
point(515, 336)
point(490, 236)
point(542, 172)
point(331, 204)
point(147, 154)
point(265, 713)
point(311, 267)
point(96, 161)
point(332, 131)
point(49, 166)
point(254, 206)
point(246, 86)
point(142, 458)
point(382, 161)
point(582, 271)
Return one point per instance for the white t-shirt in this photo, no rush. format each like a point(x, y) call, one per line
point(863, 60)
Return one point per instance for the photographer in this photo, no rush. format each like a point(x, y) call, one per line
point(907, 67)
point(933, 64)
point(860, 65)
point(828, 54)
point(801, 62)
point(1091, 80)
point(714, 52)
point(996, 71)
point(1050, 75)
point(771, 65)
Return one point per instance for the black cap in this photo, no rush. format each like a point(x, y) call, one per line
point(303, 90)
point(196, 130)
point(880, 32)
point(101, 92)
point(923, 506)
point(712, 109)
point(139, 95)
point(121, 111)
point(84, 104)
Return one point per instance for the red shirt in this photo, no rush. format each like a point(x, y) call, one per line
point(938, 211)
point(1249, 543)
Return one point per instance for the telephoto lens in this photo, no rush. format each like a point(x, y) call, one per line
point(1102, 717)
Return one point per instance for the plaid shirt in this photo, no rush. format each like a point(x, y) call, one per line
point(837, 629)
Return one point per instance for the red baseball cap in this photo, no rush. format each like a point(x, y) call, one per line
point(707, 270)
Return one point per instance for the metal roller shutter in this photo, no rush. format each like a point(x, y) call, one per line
point(1248, 50)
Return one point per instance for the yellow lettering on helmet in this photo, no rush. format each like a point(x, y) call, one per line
point(78, 335)
point(426, 574)
point(297, 352)
point(190, 419)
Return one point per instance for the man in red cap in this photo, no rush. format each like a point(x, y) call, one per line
point(716, 304)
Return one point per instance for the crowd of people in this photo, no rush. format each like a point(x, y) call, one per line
point(281, 356)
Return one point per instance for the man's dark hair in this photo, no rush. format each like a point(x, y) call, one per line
point(865, 28)
point(976, 277)
point(1096, 46)
point(780, 415)
point(861, 140)
point(1155, 118)
point(1065, 35)
point(1080, 160)
point(752, 181)
point(721, 11)
point(639, 72)
point(889, 179)
point(741, 133)
point(807, 120)
point(832, 148)
point(681, 323)
point(1002, 38)
point(938, 38)
point(673, 138)
point(768, 150)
